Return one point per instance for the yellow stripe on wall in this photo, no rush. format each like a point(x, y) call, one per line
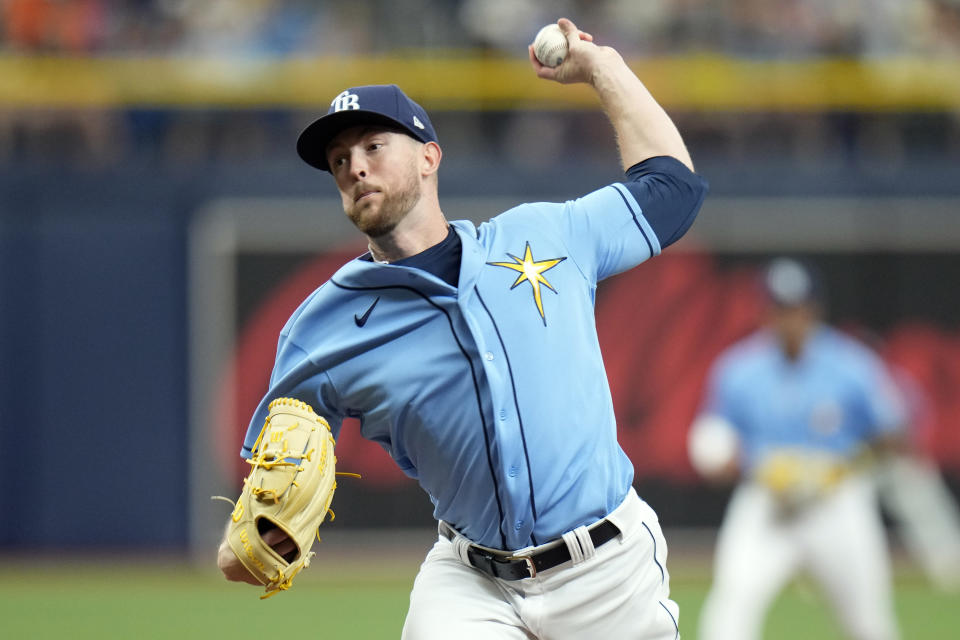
point(458, 81)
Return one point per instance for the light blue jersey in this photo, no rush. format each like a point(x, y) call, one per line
point(492, 394)
point(833, 399)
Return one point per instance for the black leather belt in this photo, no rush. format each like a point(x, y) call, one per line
point(517, 567)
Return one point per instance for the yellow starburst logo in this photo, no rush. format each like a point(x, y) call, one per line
point(531, 271)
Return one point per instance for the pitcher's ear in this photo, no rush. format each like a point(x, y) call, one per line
point(432, 154)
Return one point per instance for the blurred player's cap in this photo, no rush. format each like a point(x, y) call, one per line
point(383, 104)
point(788, 282)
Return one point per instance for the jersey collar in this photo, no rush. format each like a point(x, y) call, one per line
point(473, 255)
point(361, 273)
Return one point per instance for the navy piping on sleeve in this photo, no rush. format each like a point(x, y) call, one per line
point(636, 221)
point(669, 194)
point(516, 404)
point(476, 390)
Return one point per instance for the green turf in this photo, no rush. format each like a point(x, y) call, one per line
point(150, 600)
point(801, 613)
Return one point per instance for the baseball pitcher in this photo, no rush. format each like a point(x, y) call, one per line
point(470, 354)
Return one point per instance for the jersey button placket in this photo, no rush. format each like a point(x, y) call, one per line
point(506, 431)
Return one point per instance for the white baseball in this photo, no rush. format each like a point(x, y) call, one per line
point(550, 46)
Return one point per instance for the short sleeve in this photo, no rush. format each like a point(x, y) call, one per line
point(606, 233)
point(622, 225)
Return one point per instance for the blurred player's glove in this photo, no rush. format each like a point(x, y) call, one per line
point(797, 477)
point(289, 487)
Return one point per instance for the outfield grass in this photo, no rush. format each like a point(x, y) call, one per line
point(152, 599)
point(801, 613)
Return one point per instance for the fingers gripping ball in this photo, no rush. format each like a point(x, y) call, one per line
point(290, 487)
point(550, 46)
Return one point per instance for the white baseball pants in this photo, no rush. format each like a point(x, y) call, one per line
point(620, 590)
point(839, 541)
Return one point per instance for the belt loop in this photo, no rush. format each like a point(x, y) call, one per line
point(573, 546)
point(586, 542)
point(579, 544)
point(461, 545)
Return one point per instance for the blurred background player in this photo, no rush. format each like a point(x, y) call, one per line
point(793, 412)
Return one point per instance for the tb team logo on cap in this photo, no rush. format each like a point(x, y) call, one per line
point(345, 101)
point(377, 105)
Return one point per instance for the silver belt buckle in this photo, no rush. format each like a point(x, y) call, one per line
point(530, 566)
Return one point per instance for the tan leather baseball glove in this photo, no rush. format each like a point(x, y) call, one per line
point(290, 487)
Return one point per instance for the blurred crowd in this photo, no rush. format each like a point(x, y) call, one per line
point(316, 27)
point(754, 29)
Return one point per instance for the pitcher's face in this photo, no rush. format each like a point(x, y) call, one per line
point(376, 172)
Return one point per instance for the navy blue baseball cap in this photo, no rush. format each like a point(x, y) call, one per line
point(788, 282)
point(383, 104)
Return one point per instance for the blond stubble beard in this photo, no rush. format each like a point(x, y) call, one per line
point(394, 207)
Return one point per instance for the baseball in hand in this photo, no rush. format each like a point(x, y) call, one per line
point(550, 46)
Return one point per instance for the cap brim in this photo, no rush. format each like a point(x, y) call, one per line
point(313, 141)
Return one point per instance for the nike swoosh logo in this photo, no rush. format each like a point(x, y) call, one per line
point(362, 320)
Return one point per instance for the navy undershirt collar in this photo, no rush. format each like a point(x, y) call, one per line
point(441, 260)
